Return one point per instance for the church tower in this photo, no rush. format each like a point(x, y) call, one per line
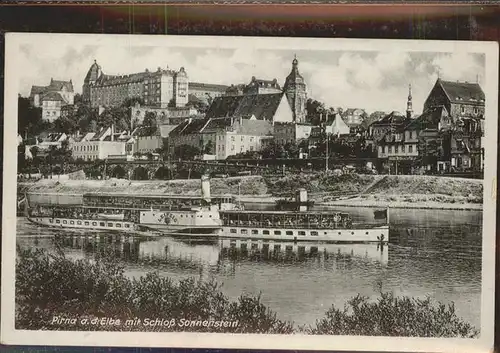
point(295, 91)
point(409, 104)
point(92, 76)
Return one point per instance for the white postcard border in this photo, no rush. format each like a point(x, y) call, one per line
point(9, 335)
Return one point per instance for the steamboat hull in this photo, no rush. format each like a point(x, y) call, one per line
point(378, 234)
point(180, 230)
point(83, 224)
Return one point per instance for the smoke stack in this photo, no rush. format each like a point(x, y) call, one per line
point(205, 188)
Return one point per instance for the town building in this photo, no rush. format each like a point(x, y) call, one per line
point(52, 98)
point(376, 131)
point(160, 88)
point(403, 149)
point(222, 137)
point(235, 90)
point(165, 115)
point(151, 143)
point(287, 132)
point(295, 92)
point(100, 145)
point(260, 86)
point(206, 91)
point(63, 88)
point(462, 131)
point(271, 107)
point(44, 142)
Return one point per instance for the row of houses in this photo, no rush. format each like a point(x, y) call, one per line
point(447, 135)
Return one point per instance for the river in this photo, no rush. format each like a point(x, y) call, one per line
point(431, 252)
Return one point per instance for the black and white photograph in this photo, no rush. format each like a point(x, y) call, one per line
point(244, 192)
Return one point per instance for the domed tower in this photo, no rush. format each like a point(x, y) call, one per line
point(409, 104)
point(91, 78)
point(295, 91)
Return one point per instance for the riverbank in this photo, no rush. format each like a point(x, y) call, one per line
point(82, 293)
point(352, 190)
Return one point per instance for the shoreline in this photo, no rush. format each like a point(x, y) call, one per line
point(270, 200)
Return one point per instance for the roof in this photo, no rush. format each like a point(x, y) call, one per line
point(134, 77)
point(57, 85)
point(93, 73)
point(429, 119)
point(258, 82)
point(373, 117)
point(53, 137)
point(351, 111)
point(255, 127)
point(52, 96)
point(207, 86)
point(102, 132)
point(38, 89)
point(166, 129)
point(460, 92)
point(241, 126)
point(294, 77)
point(262, 106)
point(393, 118)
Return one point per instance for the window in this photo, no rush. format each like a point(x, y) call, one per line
point(403, 148)
point(110, 224)
point(289, 232)
point(233, 230)
point(58, 221)
point(314, 233)
point(265, 232)
point(94, 223)
point(87, 223)
point(65, 222)
point(72, 222)
point(277, 232)
point(462, 109)
point(118, 225)
point(127, 225)
point(102, 224)
point(301, 232)
point(476, 110)
point(410, 148)
point(255, 231)
point(244, 231)
point(51, 220)
point(396, 148)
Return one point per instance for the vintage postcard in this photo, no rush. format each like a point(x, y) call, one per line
point(239, 192)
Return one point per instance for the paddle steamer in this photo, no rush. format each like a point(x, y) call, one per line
point(302, 225)
point(128, 213)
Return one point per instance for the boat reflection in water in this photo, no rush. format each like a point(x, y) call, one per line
point(160, 252)
point(276, 251)
point(182, 255)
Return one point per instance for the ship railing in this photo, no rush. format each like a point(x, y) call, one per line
point(311, 225)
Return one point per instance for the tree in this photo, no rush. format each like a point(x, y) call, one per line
point(30, 122)
point(209, 147)
point(186, 152)
point(149, 124)
point(429, 151)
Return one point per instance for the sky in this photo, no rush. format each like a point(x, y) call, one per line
point(374, 81)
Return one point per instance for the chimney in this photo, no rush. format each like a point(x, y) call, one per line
point(205, 188)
